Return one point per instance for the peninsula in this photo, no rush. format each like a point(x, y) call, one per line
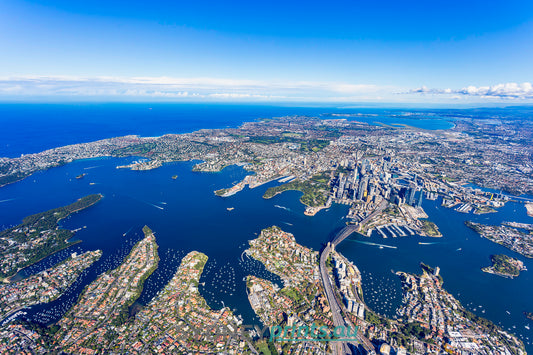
point(337, 160)
point(103, 305)
point(430, 320)
point(316, 192)
point(179, 320)
point(45, 286)
point(441, 324)
point(301, 302)
point(509, 237)
point(382, 173)
point(38, 236)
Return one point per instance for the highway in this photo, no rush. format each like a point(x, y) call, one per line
point(338, 320)
point(348, 230)
point(336, 308)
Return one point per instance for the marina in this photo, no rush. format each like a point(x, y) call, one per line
point(228, 264)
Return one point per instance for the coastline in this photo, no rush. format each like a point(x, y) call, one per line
point(71, 234)
point(8, 279)
point(256, 195)
point(529, 208)
point(490, 270)
point(309, 210)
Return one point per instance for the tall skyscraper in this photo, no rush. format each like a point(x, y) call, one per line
point(411, 199)
point(362, 188)
point(420, 198)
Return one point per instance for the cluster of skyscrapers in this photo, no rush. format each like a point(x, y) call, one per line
point(367, 180)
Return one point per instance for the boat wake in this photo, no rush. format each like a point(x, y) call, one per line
point(151, 204)
point(129, 230)
point(375, 244)
point(156, 206)
point(92, 167)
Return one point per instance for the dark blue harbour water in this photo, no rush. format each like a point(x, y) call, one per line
point(186, 215)
point(460, 254)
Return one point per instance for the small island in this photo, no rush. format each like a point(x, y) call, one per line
point(505, 266)
point(529, 209)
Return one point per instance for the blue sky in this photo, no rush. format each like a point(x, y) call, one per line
point(337, 51)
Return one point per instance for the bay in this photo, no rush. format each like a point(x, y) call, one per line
point(31, 128)
point(186, 215)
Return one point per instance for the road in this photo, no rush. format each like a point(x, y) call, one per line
point(338, 320)
point(112, 308)
point(348, 230)
point(336, 308)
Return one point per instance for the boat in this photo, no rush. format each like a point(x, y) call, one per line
point(230, 208)
point(174, 177)
point(81, 176)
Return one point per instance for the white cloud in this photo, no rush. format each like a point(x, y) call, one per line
point(499, 91)
point(511, 90)
point(169, 88)
point(180, 88)
point(11, 89)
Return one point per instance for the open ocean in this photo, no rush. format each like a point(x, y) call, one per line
point(31, 128)
point(185, 214)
